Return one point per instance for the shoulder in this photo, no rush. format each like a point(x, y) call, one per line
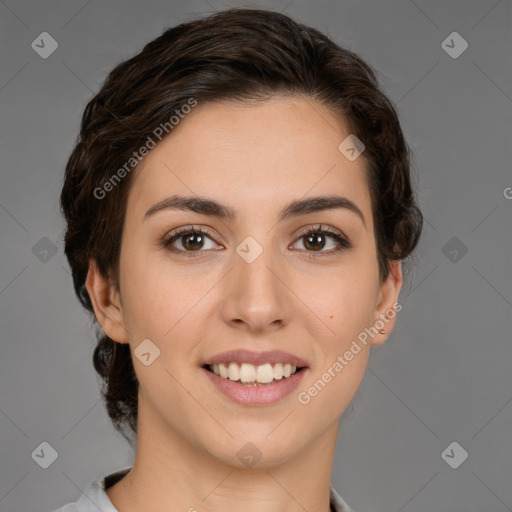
point(338, 504)
point(87, 501)
point(94, 496)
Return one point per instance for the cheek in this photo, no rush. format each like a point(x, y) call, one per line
point(153, 292)
point(344, 298)
point(324, 397)
point(345, 302)
point(341, 356)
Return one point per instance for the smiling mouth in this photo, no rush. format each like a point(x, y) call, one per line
point(254, 375)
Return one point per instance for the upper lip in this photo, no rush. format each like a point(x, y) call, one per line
point(256, 358)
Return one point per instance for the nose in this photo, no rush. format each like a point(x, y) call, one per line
point(257, 294)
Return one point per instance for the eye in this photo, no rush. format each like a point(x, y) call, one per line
point(192, 241)
point(189, 240)
point(316, 239)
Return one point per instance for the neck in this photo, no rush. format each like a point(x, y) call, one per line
point(169, 473)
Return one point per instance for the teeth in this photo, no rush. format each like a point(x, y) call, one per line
point(223, 371)
point(233, 371)
point(264, 373)
point(278, 371)
point(246, 373)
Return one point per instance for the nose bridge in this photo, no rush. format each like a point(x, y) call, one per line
point(256, 293)
point(254, 263)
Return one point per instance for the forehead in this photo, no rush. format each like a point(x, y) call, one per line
point(254, 157)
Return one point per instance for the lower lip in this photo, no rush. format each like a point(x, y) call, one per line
point(256, 395)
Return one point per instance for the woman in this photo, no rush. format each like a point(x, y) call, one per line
point(238, 205)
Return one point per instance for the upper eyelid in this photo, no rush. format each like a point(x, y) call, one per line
point(322, 228)
point(189, 229)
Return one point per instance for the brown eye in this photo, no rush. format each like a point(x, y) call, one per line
point(193, 241)
point(188, 240)
point(316, 239)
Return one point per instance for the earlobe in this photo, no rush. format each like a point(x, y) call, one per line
point(387, 304)
point(106, 304)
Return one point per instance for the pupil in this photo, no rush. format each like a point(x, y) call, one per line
point(316, 241)
point(193, 245)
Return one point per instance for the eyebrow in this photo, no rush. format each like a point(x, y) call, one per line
point(206, 206)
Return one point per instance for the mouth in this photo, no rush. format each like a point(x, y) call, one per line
point(255, 378)
point(251, 375)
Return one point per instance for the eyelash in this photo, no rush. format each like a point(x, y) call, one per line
point(342, 242)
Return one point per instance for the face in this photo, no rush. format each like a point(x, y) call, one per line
point(301, 280)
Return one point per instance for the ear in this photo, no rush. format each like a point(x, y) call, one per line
point(387, 303)
point(106, 303)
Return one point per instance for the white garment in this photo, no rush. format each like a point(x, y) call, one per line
point(95, 499)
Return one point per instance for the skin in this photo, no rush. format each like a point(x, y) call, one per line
point(254, 158)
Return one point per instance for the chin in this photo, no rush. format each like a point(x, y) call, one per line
point(255, 451)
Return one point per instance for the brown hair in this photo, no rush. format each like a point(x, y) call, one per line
point(234, 55)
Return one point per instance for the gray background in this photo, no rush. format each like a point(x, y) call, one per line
point(445, 373)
